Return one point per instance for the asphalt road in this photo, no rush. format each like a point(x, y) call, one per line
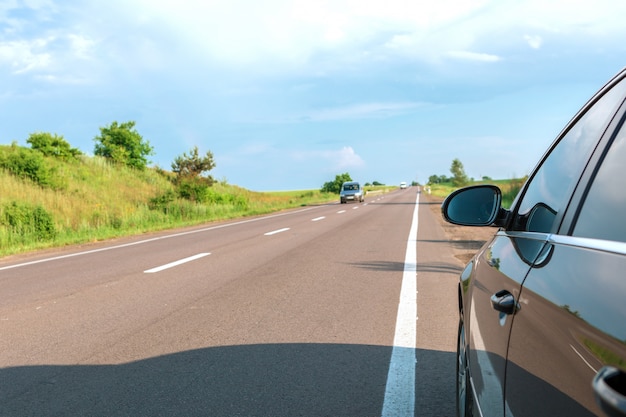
point(284, 315)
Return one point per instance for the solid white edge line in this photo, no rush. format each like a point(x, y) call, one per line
point(277, 231)
point(584, 360)
point(176, 263)
point(400, 390)
point(141, 242)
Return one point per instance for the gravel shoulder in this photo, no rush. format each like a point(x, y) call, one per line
point(466, 241)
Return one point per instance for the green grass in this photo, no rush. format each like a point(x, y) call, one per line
point(100, 201)
point(509, 189)
point(605, 355)
point(47, 202)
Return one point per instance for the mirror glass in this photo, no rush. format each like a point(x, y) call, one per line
point(476, 206)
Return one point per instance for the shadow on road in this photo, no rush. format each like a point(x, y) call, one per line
point(380, 266)
point(440, 268)
point(473, 245)
point(387, 266)
point(248, 380)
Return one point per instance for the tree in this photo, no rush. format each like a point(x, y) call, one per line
point(122, 144)
point(189, 169)
point(52, 145)
point(459, 178)
point(192, 165)
point(335, 186)
point(437, 179)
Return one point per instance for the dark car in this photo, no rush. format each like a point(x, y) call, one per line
point(542, 329)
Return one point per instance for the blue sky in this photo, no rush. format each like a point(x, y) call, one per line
point(289, 93)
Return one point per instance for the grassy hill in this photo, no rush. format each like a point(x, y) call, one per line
point(50, 201)
point(47, 201)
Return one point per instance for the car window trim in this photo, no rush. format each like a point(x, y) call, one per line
point(588, 177)
point(609, 246)
point(565, 218)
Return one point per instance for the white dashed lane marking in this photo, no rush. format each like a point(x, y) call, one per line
point(176, 263)
point(277, 231)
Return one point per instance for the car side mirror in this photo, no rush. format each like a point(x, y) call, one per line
point(478, 205)
point(609, 386)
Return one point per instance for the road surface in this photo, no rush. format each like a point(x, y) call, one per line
point(292, 314)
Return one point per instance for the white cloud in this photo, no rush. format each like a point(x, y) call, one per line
point(345, 158)
point(362, 111)
point(534, 42)
point(81, 46)
point(335, 160)
point(278, 36)
point(473, 56)
point(293, 31)
point(25, 56)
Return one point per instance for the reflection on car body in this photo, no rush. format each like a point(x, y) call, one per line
point(542, 329)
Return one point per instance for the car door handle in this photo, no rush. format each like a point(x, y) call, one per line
point(609, 386)
point(504, 302)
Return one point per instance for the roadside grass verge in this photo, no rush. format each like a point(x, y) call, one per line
point(509, 189)
point(100, 201)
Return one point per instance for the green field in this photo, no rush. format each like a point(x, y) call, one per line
point(47, 202)
point(50, 202)
point(509, 189)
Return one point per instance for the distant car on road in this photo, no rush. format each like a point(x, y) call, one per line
point(351, 191)
point(542, 323)
point(403, 185)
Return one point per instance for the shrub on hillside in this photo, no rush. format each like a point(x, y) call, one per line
point(223, 198)
point(194, 165)
point(28, 221)
point(52, 145)
point(162, 202)
point(121, 143)
point(193, 189)
point(31, 165)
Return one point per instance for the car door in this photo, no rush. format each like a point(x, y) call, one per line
point(500, 268)
point(572, 319)
point(496, 281)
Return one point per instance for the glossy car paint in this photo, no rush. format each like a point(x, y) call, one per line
point(568, 294)
point(497, 268)
point(573, 324)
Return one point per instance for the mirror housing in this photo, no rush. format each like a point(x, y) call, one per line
point(478, 205)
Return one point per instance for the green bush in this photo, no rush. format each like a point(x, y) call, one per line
point(27, 221)
point(193, 189)
point(52, 145)
point(335, 186)
point(121, 143)
point(31, 165)
point(162, 202)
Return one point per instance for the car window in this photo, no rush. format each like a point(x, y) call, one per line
point(547, 193)
point(603, 214)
